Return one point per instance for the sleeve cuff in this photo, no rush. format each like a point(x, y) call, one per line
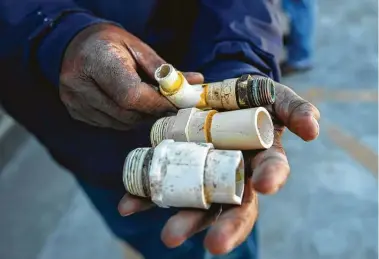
point(52, 47)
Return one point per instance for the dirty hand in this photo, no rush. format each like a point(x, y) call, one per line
point(232, 224)
point(100, 80)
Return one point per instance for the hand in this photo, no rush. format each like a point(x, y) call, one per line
point(100, 80)
point(269, 170)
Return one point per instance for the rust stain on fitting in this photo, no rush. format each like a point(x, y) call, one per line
point(244, 92)
point(255, 91)
point(207, 193)
point(241, 92)
point(208, 126)
point(262, 91)
point(175, 87)
point(214, 95)
point(239, 176)
point(202, 104)
point(208, 190)
point(222, 95)
point(228, 96)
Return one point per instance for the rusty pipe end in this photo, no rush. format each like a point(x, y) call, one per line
point(255, 91)
point(265, 90)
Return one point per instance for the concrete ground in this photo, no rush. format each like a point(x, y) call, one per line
point(327, 210)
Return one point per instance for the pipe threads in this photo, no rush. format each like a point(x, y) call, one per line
point(255, 91)
point(136, 172)
point(262, 91)
point(159, 130)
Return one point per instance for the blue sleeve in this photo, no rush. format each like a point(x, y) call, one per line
point(35, 33)
point(231, 38)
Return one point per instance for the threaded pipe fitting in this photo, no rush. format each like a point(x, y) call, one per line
point(248, 91)
point(244, 129)
point(136, 172)
point(160, 129)
point(181, 174)
point(255, 91)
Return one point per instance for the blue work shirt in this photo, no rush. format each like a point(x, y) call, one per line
point(220, 38)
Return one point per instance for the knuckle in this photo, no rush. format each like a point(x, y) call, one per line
point(65, 97)
point(106, 53)
point(64, 78)
point(75, 115)
point(298, 104)
point(90, 60)
point(128, 98)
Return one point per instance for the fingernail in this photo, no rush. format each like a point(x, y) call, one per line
point(273, 190)
point(127, 208)
point(127, 214)
point(315, 122)
point(180, 227)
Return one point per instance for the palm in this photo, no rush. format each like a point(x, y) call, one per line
point(266, 170)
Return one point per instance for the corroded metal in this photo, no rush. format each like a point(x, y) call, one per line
point(255, 91)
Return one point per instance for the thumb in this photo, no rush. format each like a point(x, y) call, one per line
point(148, 100)
point(194, 77)
point(146, 58)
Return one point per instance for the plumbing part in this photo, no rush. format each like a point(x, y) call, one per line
point(180, 174)
point(248, 91)
point(247, 129)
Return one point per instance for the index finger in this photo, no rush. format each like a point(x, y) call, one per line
point(298, 115)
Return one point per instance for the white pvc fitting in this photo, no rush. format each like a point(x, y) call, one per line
point(230, 94)
point(176, 88)
point(247, 129)
point(180, 174)
point(224, 176)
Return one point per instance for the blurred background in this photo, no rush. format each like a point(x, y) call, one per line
point(328, 209)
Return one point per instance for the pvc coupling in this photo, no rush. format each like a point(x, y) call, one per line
point(231, 94)
point(247, 129)
point(178, 174)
